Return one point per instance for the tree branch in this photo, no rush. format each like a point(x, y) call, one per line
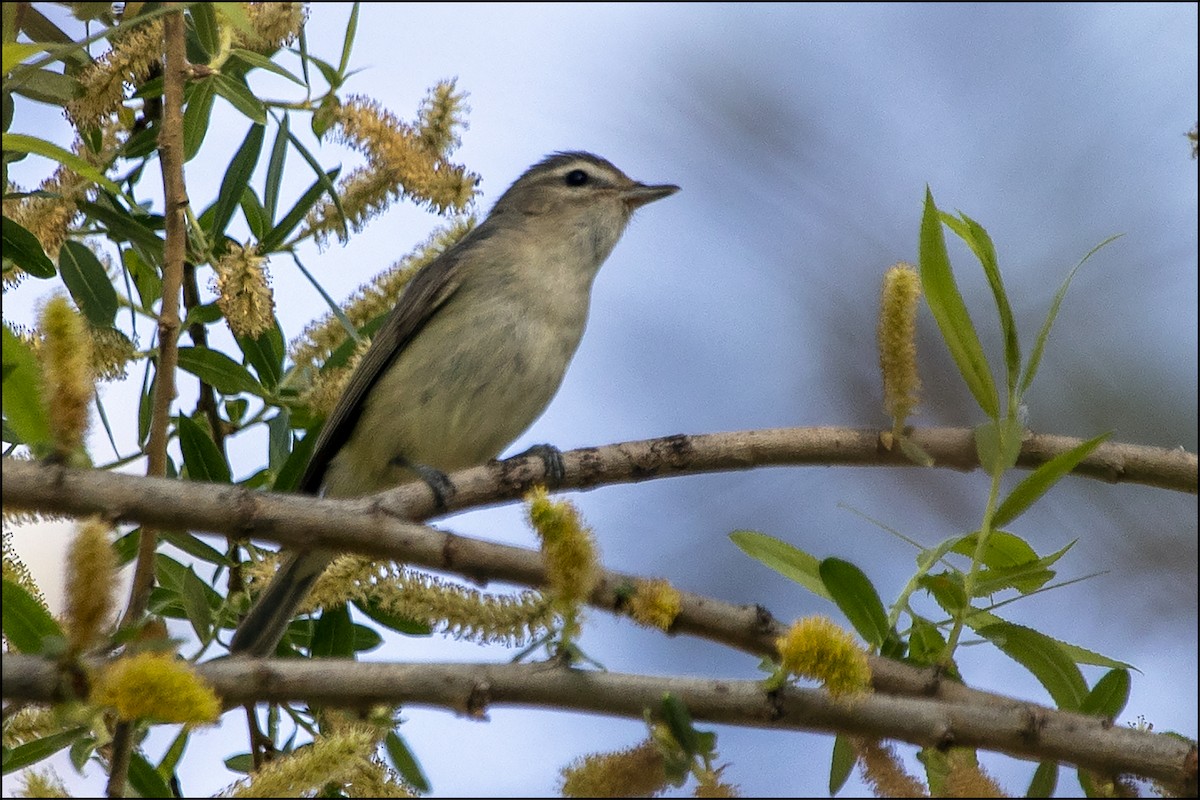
point(1020, 730)
point(376, 526)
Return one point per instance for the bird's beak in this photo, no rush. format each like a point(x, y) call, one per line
point(640, 194)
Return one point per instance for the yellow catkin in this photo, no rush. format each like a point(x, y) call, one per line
point(66, 374)
point(882, 771)
point(655, 604)
point(897, 342)
point(156, 686)
point(568, 548)
point(244, 291)
point(91, 584)
point(633, 772)
point(818, 649)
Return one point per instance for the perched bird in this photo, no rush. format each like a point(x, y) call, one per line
point(471, 355)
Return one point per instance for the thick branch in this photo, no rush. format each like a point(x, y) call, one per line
point(629, 462)
point(471, 689)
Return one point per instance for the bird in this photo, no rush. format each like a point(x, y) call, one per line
point(474, 350)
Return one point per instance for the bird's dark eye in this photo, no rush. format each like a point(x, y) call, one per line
point(577, 177)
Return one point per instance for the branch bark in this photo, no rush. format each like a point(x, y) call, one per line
point(1018, 729)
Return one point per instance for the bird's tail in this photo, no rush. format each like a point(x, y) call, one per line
point(264, 626)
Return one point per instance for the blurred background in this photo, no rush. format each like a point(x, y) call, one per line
point(804, 137)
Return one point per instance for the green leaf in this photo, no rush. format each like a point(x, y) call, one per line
point(194, 546)
point(1038, 482)
point(265, 353)
point(203, 458)
point(219, 371)
point(842, 763)
point(1035, 358)
point(256, 217)
point(289, 474)
point(145, 778)
point(20, 143)
point(853, 593)
point(333, 636)
point(950, 313)
point(348, 39)
point(980, 242)
point(44, 86)
point(291, 219)
point(1002, 549)
point(404, 762)
point(790, 562)
point(395, 622)
point(27, 624)
point(32, 752)
point(240, 97)
point(1109, 696)
point(194, 594)
point(145, 277)
point(925, 642)
point(275, 164)
point(196, 115)
point(88, 283)
point(124, 226)
point(252, 59)
point(24, 411)
point(998, 445)
point(208, 31)
point(1044, 659)
point(1045, 780)
point(175, 581)
point(679, 721)
point(235, 180)
point(241, 763)
point(947, 590)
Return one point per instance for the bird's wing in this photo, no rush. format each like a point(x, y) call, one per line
point(428, 291)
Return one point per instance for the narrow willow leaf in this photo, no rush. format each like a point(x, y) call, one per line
point(1039, 345)
point(23, 249)
point(219, 371)
point(977, 238)
point(237, 176)
point(1109, 696)
point(946, 303)
point(124, 226)
point(252, 59)
point(790, 562)
point(333, 635)
point(240, 97)
point(274, 179)
point(265, 353)
point(27, 623)
point(404, 762)
point(1044, 659)
point(196, 116)
point(293, 217)
point(998, 445)
point(145, 778)
point(24, 411)
point(88, 283)
point(854, 594)
point(1038, 482)
point(195, 603)
point(1045, 780)
point(32, 752)
point(841, 764)
point(208, 32)
point(21, 143)
point(203, 458)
